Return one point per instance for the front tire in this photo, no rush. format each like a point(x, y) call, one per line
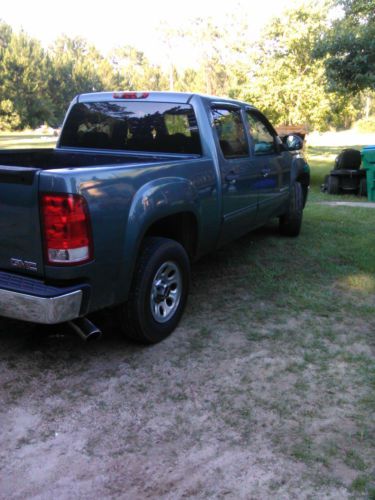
point(290, 223)
point(159, 291)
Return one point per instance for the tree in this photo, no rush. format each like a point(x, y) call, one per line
point(9, 118)
point(349, 47)
point(76, 67)
point(286, 81)
point(133, 71)
point(23, 86)
point(221, 50)
point(5, 34)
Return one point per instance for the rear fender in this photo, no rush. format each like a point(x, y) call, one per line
point(154, 201)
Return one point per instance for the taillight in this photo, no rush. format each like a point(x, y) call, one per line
point(130, 95)
point(66, 226)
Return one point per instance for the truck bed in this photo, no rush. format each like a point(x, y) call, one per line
point(47, 159)
point(21, 245)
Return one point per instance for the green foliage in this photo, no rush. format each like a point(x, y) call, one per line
point(24, 67)
point(132, 70)
point(9, 118)
point(280, 74)
point(366, 124)
point(286, 81)
point(348, 48)
point(5, 34)
point(77, 67)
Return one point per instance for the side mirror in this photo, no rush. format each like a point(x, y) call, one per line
point(293, 142)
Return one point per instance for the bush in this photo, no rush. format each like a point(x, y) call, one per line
point(366, 124)
point(9, 118)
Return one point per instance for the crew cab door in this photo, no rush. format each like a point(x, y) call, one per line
point(271, 161)
point(239, 175)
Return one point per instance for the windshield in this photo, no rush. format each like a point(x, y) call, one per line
point(132, 126)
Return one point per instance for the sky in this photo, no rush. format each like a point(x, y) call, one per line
point(114, 23)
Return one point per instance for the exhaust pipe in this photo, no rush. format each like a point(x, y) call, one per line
point(85, 329)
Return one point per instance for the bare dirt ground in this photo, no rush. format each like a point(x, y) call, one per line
point(245, 400)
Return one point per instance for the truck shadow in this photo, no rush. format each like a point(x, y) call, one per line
point(22, 337)
point(26, 338)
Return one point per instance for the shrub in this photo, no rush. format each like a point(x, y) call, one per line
point(9, 118)
point(366, 124)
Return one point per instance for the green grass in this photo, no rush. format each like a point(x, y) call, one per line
point(22, 140)
point(322, 160)
point(364, 485)
point(276, 345)
point(308, 300)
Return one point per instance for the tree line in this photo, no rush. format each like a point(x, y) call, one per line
point(306, 68)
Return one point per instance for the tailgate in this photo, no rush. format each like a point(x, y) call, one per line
point(20, 239)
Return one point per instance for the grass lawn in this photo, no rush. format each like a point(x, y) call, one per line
point(266, 389)
point(15, 140)
point(321, 160)
point(310, 311)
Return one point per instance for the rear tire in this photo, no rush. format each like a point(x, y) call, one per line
point(363, 187)
point(290, 223)
point(159, 291)
point(333, 185)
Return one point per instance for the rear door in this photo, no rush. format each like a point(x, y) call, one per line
point(271, 161)
point(20, 238)
point(239, 175)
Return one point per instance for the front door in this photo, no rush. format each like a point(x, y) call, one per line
point(268, 158)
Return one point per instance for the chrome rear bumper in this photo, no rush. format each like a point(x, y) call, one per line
point(31, 300)
point(48, 310)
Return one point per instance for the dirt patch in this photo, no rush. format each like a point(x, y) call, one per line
point(264, 391)
point(215, 416)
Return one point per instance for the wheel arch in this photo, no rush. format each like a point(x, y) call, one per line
point(168, 208)
point(301, 174)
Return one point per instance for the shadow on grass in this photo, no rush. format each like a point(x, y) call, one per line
point(291, 274)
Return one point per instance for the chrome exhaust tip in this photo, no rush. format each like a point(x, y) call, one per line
point(85, 329)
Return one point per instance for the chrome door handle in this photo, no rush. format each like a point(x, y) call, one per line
point(266, 172)
point(232, 177)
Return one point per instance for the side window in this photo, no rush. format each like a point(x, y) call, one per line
point(230, 132)
point(264, 141)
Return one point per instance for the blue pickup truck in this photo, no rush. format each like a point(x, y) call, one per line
point(140, 185)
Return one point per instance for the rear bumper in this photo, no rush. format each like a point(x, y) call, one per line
point(32, 300)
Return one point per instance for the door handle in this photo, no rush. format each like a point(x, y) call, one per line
point(266, 171)
point(232, 177)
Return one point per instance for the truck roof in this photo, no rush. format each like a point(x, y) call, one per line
point(155, 96)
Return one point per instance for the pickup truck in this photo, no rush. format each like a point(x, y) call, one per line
point(140, 185)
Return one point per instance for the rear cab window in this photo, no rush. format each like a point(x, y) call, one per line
point(230, 132)
point(132, 126)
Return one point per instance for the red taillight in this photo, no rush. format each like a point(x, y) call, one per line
point(66, 226)
point(130, 95)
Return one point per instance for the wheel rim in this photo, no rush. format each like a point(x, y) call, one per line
point(166, 292)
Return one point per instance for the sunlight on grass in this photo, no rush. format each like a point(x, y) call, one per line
point(23, 140)
point(321, 159)
point(358, 282)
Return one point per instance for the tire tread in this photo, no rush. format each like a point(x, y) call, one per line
point(290, 223)
point(130, 313)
